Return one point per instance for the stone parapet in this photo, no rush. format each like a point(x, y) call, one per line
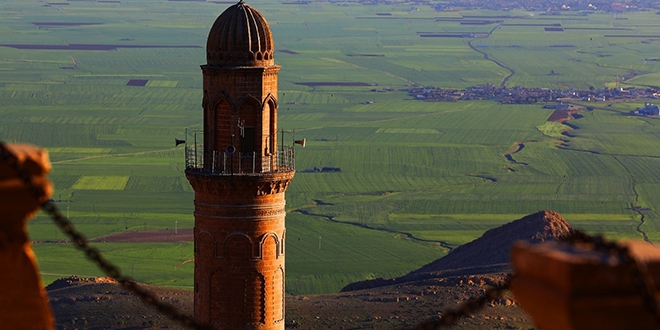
point(568, 287)
point(23, 303)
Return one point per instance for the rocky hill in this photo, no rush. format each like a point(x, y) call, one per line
point(492, 249)
point(487, 254)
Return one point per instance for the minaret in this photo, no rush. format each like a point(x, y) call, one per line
point(239, 179)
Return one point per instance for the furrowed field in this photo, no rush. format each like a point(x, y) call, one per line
point(417, 178)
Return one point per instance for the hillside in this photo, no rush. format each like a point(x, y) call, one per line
point(89, 305)
point(377, 304)
point(126, 81)
point(82, 303)
point(487, 254)
point(491, 250)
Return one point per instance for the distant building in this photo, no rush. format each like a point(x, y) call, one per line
point(618, 6)
point(648, 110)
point(558, 106)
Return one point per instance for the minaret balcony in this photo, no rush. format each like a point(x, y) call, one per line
point(237, 163)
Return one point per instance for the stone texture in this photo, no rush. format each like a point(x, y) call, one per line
point(575, 287)
point(23, 302)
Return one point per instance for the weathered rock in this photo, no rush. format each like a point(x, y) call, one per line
point(494, 246)
point(487, 254)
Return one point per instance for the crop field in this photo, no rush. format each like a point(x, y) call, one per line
point(107, 87)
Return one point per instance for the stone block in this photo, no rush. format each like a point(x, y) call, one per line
point(23, 303)
point(568, 287)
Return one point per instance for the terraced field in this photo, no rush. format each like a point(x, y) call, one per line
point(417, 178)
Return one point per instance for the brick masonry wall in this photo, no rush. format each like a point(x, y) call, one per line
point(240, 95)
point(239, 219)
point(239, 249)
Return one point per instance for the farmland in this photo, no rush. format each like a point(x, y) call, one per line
point(417, 178)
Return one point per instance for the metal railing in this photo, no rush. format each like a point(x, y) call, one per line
point(239, 163)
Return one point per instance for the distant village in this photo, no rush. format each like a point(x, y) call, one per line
point(648, 110)
point(550, 7)
point(522, 95)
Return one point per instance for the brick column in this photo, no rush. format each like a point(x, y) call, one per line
point(239, 249)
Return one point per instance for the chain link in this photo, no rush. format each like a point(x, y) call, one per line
point(469, 307)
point(93, 254)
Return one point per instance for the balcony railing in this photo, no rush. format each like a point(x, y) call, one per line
point(239, 163)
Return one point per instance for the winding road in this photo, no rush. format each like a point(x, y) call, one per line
point(486, 57)
point(361, 225)
point(637, 209)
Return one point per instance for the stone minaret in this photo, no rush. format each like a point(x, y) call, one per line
point(239, 179)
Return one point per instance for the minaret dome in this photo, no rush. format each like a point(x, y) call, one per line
point(240, 37)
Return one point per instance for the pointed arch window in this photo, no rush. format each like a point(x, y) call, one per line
point(247, 140)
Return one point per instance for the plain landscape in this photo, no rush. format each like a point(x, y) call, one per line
point(106, 87)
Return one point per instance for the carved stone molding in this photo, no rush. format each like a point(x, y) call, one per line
point(226, 185)
point(244, 214)
point(273, 187)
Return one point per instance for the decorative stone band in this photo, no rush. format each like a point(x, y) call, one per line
point(239, 58)
point(245, 212)
point(228, 185)
point(266, 70)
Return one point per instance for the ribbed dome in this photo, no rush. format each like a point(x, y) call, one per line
point(240, 36)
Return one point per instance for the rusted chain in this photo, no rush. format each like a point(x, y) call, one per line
point(93, 254)
point(469, 307)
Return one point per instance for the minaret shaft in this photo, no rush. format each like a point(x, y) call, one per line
point(241, 181)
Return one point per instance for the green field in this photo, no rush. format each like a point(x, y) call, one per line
point(416, 177)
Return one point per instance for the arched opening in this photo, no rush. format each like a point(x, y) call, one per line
point(255, 299)
point(205, 246)
point(272, 127)
point(247, 126)
point(276, 301)
point(270, 247)
point(232, 281)
point(237, 248)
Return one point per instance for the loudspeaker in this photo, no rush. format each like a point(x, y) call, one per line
point(230, 150)
point(177, 142)
point(301, 142)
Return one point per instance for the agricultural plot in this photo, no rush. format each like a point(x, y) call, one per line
point(650, 79)
point(415, 178)
point(101, 183)
point(157, 263)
